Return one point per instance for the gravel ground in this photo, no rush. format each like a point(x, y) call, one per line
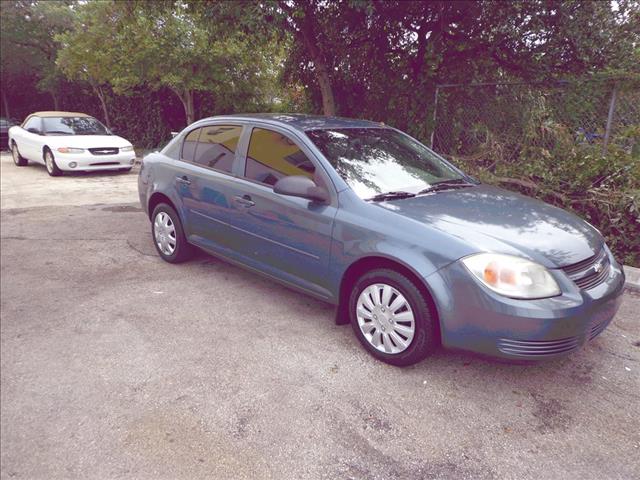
point(117, 364)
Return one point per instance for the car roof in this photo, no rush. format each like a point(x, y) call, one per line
point(302, 121)
point(58, 114)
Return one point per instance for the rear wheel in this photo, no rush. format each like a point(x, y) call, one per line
point(168, 235)
point(50, 163)
point(391, 318)
point(18, 159)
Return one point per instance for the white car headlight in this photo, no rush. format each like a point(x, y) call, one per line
point(70, 150)
point(126, 149)
point(513, 277)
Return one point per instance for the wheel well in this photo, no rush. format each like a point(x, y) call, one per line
point(364, 265)
point(158, 198)
point(44, 150)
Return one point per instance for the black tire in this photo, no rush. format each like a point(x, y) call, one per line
point(125, 170)
point(183, 249)
point(50, 163)
point(18, 159)
point(425, 338)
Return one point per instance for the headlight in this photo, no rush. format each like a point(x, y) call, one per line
point(70, 150)
point(126, 149)
point(512, 276)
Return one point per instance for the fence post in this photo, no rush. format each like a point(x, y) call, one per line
point(612, 109)
point(435, 115)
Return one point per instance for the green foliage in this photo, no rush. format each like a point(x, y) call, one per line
point(167, 45)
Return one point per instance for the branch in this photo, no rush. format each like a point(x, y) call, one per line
point(519, 182)
point(36, 45)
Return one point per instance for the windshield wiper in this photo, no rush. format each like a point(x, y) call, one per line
point(446, 185)
point(390, 196)
point(58, 131)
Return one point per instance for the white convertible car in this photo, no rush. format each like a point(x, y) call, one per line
point(69, 141)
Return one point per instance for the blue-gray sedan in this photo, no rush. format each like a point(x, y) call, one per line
point(412, 251)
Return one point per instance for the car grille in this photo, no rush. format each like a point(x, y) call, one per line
point(538, 348)
point(103, 164)
point(591, 272)
point(104, 151)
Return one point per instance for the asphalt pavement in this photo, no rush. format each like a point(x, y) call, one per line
point(115, 364)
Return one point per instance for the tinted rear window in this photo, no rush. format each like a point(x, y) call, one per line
point(217, 146)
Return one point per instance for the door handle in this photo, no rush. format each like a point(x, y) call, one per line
point(184, 180)
point(244, 200)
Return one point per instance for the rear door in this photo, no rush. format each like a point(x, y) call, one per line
point(288, 237)
point(205, 181)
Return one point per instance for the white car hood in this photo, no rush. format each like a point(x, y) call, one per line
point(86, 141)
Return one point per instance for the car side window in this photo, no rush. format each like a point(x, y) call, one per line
point(273, 155)
point(33, 122)
point(217, 147)
point(189, 145)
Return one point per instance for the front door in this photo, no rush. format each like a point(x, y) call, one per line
point(288, 237)
point(30, 144)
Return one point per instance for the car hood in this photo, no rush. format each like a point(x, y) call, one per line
point(86, 141)
point(491, 219)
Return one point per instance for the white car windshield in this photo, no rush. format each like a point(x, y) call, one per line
point(73, 126)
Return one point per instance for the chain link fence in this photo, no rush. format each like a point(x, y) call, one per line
point(499, 122)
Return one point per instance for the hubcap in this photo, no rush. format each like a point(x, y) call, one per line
point(385, 318)
point(48, 159)
point(14, 152)
point(164, 232)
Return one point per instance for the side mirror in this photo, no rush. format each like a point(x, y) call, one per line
point(34, 130)
point(174, 134)
point(300, 186)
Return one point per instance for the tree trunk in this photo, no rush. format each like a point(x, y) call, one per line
point(5, 103)
point(188, 107)
point(56, 103)
point(100, 93)
point(186, 97)
point(322, 72)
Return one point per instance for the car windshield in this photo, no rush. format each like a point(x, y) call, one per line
point(73, 126)
point(380, 160)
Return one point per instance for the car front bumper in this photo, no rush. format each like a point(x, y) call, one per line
point(90, 162)
point(474, 318)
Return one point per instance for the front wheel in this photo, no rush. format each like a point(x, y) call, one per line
point(50, 163)
point(168, 235)
point(391, 318)
point(18, 159)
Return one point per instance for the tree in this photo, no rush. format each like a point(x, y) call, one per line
point(157, 45)
point(277, 20)
point(28, 43)
point(90, 50)
point(386, 58)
